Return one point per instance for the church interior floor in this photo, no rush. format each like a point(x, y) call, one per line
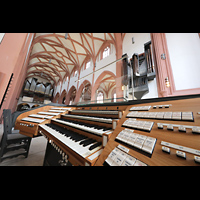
point(35, 157)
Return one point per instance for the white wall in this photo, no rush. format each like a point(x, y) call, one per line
point(99, 64)
point(86, 72)
point(57, 89)
point(64, 86)
point(153, 92)
point(72, 82)
point(102, 63)
point(184, 52)
point(138, 46)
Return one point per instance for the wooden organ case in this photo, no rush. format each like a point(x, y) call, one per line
point(150, 132)
point(158, 132)
point(80, 135)
point(28, 122)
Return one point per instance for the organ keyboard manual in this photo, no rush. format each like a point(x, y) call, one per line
point(149, 132)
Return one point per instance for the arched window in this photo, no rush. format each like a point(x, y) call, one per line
point(100, 97)
point(86, 93)
point(75, 73)
point(114, 97)
point(63, 100)
point(106, 52)
point(87, 65)
point(72, 97)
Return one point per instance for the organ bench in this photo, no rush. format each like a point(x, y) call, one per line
point(150, 132)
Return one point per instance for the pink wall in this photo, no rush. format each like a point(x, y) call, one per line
point(13, 51)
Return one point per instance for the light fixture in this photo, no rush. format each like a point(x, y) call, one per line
point(66, 34)
point(133, 40)
point(163, 57)
point(167, 82)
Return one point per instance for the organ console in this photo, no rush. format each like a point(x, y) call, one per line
point(156, 132)
point(150, 132)
point(78, 133)
point(82, 133)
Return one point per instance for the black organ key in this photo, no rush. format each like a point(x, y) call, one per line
point(77, 142)
point(88, 142)
point(95, 145)
point(80, 137)
point(84, 141)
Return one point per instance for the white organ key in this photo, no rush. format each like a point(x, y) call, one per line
point(109, 112)
point(58, 111)
point(60, 108)
point(106, 120)
point(41, 116)
point(88, 152)
point(89, 129)
point(29, 119)
point(48, 113)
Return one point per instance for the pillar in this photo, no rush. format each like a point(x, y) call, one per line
point(163, 66)
point(118, 47)
point(15, 50)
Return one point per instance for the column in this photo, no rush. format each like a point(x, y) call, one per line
point(118, 47)
point(163, 65)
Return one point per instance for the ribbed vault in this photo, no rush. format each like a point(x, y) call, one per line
point(54, 56)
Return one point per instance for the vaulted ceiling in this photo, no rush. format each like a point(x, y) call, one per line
point(54, 57)
point(107, 84)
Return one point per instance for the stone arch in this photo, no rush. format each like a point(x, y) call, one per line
point(78, 94)
point(98, 82)
point(62, 96)
point(68, 96)
point(56, 98)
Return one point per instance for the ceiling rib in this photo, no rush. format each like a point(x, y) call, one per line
point(57, 56)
